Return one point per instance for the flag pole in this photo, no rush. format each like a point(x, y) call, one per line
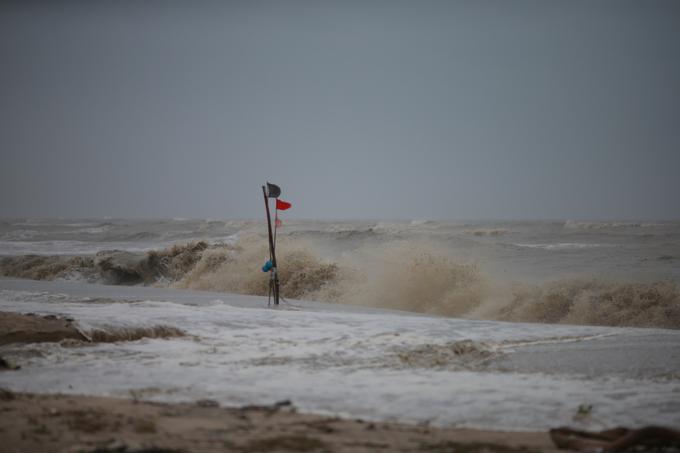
point(272, 250)
point(276, 226)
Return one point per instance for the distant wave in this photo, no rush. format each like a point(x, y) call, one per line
point(338, 233)
point(563, 246)
point(24, 235)
point(21, 235)
point(92, 230)
point(51, 223)
point(487, 232)
point(573, 224)
point(136, 236)
point(420, 222)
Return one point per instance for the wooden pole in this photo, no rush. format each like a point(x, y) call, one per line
point(272, 250)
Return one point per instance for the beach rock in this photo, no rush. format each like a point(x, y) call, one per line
point(6, 395)
point(207, 403)
point(6, 365)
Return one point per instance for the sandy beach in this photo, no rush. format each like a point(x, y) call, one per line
point(60, 423)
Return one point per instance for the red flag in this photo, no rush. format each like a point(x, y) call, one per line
point(282, 205)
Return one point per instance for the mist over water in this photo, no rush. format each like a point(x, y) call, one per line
point(602, 273)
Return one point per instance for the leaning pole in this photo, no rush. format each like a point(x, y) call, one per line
point(274, 282)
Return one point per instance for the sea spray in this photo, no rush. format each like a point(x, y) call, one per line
point(396, 275)
point(416, 277)
point(596, 302)
point(407, 276)
point(232, 268)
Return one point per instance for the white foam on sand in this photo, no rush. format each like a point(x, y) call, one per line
point(337, 360)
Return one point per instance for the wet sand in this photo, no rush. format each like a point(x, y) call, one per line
point(29, 328)
point(33, 328)
point(60, 423)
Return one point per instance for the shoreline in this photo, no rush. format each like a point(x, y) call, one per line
point(70, 423)
point(87, 423)
point(459, 386)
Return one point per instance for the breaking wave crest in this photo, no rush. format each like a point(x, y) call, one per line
point(41, 267)
point(595, 302)
point(391, 276)
point(110, 266)
point(118, 267)
point(235, 268)
point(403, 275)
point(407, 277)
point(576, 225)
point(416, 277)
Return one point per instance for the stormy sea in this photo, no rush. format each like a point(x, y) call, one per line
point(506, 325)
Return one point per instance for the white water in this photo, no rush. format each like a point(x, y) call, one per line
point(346, 360)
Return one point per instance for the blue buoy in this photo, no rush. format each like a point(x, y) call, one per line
point(267, 266)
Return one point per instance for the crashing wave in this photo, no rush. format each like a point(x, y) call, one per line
point(112, 266)
point(233, 268)
point(41, 267)
point(395, 274)
point(120, 267)
point(594, 302)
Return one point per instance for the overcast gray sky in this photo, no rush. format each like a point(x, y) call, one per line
point(357, 109)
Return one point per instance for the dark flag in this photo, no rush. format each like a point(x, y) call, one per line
point(273, 191)
point(282, 205)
